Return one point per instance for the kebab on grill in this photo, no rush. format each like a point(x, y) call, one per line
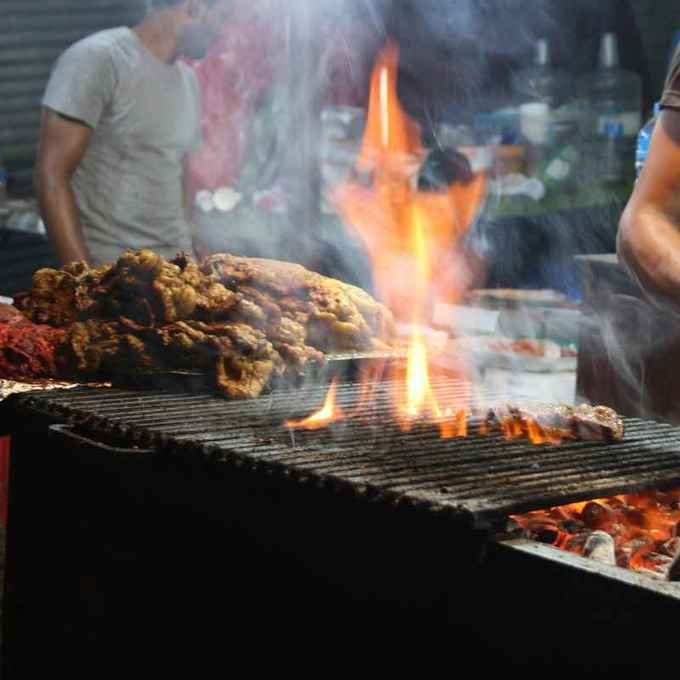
point(246, 321)
point(557, 422)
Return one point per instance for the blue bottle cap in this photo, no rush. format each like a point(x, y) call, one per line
point(613, 129)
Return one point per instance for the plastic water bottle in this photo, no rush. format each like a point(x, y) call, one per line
point(3, 182)
point(613, 158)
point(644, 139)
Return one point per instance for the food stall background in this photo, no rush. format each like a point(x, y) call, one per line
point(456, 63)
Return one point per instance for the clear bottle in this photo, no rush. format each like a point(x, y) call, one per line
point(614, 102)
point(614, 94)
point(540, 82)
point(643, 140)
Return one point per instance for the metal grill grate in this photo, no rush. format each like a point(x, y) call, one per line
point(483, 477)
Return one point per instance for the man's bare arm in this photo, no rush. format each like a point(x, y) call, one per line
point(63, 143)
point(649, 233)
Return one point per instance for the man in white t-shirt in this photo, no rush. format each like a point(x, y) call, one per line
point(120, 114)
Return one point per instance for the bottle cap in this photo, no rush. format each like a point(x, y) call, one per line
point(609, 51)
point(612, 130)
point(657, 108)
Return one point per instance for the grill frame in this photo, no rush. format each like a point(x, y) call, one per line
point(315, 567)
point(419, 470)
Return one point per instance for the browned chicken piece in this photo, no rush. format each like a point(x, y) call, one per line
point(59, 297)
point(339, 317)
point(248, 321)
point(239, 378)
point(171, 291)
point(559, 421)
point(243, 359)
point(104, 348)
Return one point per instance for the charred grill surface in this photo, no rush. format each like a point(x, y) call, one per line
point(483, 478)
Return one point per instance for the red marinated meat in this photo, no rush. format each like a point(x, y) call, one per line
point(10, 315)
point(26, 349)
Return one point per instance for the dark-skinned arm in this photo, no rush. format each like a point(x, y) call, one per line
point(63, 143)
point(649, 231)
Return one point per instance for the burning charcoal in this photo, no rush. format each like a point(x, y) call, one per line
point(572, 526)
point(676, 530)
point(671, 547)
point(597, 516)
point(575, 543)
point(513, 528)
point(631, 547)
point(615, 503)
point(635, 517)
point(655, 565)
point(559, 514)
point(543, 531)
point(600, 547)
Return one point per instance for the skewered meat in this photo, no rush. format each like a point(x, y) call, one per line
point(337, 316)
point(558, 421)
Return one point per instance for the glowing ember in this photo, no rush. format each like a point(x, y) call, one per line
point(328, 414)
point(644, 528)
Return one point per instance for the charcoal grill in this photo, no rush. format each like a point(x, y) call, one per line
point(360, 519)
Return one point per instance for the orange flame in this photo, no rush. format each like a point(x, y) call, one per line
point(411, 237)
point(329, 413)
point(382, 214)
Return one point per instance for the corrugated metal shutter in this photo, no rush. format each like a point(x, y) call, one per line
point(32, 35)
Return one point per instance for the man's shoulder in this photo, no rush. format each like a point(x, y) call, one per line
point(101, 43)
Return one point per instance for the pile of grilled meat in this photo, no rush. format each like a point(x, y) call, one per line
point(245, 321)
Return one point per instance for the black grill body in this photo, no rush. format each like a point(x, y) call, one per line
point(166, 527)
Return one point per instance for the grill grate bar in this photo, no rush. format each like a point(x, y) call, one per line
point(433, 471)
point(477, 474)
point(127, 404)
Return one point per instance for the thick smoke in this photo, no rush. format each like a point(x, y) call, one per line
point(456, 60)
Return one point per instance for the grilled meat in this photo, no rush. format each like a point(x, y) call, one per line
point(60, 297)
point(27, 350)
point(247, 321)
point(336, 315)
point(10, 315)
point(554, 422)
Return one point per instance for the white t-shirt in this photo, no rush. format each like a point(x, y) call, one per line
point(146, 118)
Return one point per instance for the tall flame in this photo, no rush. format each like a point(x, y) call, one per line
point(411, 237)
